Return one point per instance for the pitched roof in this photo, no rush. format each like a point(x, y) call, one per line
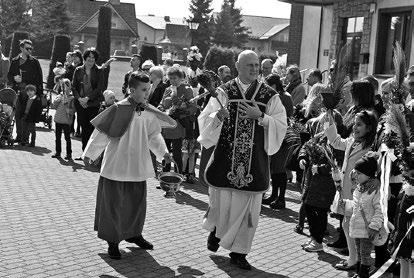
point(274, 30)
point(260, 25)
point(81, 12)
point(158, 22)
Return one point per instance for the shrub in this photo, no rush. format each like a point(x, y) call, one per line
point(61, 45)
point(42, 47)
point(218, 56)
point(6, 43)
point(149, 52)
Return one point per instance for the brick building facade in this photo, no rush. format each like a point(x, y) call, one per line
point(319, 28)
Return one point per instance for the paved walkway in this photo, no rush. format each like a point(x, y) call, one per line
point(46, 228)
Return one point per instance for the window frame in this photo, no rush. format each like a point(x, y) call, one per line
point(380, 48)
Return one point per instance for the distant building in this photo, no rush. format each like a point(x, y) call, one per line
point(172, 34)
point(267, 34)
point(320, 28)
point(84, 23)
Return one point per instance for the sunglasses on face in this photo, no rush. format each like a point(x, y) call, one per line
point(29, 48)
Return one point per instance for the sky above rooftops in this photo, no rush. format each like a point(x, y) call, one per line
point(179, 8)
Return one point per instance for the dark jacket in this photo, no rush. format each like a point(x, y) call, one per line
point(156, 97)
point(278, 160)
point(70, 70)
point(33, 116)
point(319, 189)
point(95, 96)
point(31, 74)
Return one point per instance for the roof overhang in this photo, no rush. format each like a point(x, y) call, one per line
point(311, 2)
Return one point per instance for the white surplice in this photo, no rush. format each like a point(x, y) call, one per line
point(229, 209)
point(128, 158)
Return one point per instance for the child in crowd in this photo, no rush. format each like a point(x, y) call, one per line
point(355, 146)
point(126, 132)
point(176, 102)
point(31, 114)
point(365, 207)
point(65, 108)
point(110, 99)
point(318, 189)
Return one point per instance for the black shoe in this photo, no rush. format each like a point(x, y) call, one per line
point(278, 204)
point(32, 144)
point(298, 229)
point(240, 261)
point(68, 157)
point(269, 200)
point(213, 242)
point(141, 242)
point(79, 158)
point(340, 244)
point(113, 251)
point(56, 155)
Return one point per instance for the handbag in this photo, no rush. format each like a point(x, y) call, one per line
point(381, 237)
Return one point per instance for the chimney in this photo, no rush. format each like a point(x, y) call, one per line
point(167, 18)
point(115, 2)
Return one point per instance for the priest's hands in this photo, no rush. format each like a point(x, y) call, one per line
point(222, 114)
point(249, 112)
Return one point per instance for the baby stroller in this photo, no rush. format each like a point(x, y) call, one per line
point(45, 117)
point(8, 98)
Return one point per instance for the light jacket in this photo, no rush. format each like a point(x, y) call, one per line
point(350, 158)
point(65, 108)
point(367, 197)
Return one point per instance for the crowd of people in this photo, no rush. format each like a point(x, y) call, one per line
point(350, 142)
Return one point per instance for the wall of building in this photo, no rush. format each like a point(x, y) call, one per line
point(383, 4)
point(325, 40)
point(149, 35)
point(116, 21)
point(310, 35)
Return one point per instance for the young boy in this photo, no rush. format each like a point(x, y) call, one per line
point(126, 132)
point(31, 114)
point(65, 109)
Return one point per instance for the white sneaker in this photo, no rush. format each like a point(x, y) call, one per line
point(314, 247)
point(306, 243)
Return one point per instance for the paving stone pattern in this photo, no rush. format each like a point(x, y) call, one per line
point(46, 228)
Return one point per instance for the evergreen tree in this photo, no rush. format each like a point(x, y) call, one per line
point(103, 40)
point(224, 28)
point(241, 33)
point(201, 13)
point(13, 17)
point(50, 18)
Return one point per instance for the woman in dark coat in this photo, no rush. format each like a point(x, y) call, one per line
point(278, 161)
point(87, 89)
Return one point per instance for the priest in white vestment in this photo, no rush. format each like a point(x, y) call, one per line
point(245, 123)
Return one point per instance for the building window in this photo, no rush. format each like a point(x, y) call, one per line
point(393, 26)
point(113, 24)
point(352, 34)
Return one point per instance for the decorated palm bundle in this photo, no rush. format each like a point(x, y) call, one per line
point(339, 78)
point(397, 133)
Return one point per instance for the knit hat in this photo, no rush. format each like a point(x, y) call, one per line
point(367, 164)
